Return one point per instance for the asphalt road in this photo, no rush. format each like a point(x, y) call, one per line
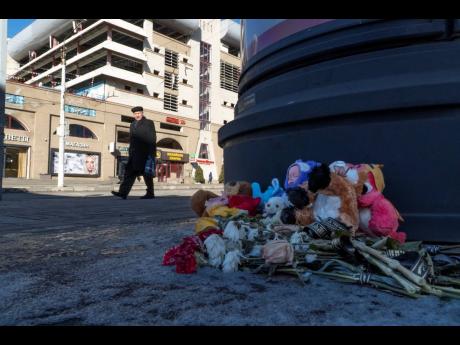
point(85, 259)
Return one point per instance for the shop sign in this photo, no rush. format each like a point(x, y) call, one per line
point(174, 156)
point(204, 161)
point(158, 155)
point(76, 144)
point(79, 110)
point(96, 91)
point(15, 99)
point(175, 120)
point(21, 138)
point(123, 150)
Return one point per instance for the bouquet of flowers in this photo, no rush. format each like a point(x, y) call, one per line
point(327, 248)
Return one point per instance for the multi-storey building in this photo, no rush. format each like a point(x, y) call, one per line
point(184, 72)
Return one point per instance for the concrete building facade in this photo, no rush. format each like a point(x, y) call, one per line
point(184, 72)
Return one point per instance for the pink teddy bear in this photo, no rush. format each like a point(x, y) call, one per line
point(377, 214)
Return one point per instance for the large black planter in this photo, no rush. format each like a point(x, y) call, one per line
point(374, 91)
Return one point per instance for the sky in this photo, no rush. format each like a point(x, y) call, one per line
point(16, 25)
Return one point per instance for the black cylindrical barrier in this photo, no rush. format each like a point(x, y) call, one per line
point(361, 91)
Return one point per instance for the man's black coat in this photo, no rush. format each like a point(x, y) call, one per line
point(142, 143)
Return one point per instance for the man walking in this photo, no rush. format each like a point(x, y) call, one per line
point(210, 177)
point(142, 145)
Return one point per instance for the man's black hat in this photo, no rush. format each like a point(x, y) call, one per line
point(137, 109)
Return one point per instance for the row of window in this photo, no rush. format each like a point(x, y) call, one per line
point(155, 94)
point(171, 58)
point(167, 143)
point(229, 76)
point(80, 131)
point(123, 136)
point(82, 45)
point(83, 132)
point(170, 55)
point(170, 75)
point(12, 123)
point(170, 102)
point(171, 81)
point(75, 130)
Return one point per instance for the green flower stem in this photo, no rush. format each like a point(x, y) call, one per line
point(351, 279)
point(450, 290)
point(380, 243)
point(447, 280)
point(406, 284)
point(393, 264)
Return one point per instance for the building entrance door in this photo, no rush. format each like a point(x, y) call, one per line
point(15, 162)
point(122, 161)
point(163, 172)
point(177, 169)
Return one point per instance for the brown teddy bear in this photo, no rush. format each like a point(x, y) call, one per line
point(237, 188)
point(356, 175)
point(335, 197)
point(301, 211)
point(199, 198)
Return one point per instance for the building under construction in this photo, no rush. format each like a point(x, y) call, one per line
point(184, 72)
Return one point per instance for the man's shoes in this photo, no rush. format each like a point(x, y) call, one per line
point(119, 195)
point(148, 196)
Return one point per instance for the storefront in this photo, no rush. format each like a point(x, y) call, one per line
point(15, 163)
point(83, 149)
point(96, 142)
point(170, 166)
point(16, 155)
point(122, 150)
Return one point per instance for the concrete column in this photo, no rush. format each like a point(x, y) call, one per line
point(109, 33)
point(3, 55)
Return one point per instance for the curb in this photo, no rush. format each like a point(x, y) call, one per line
point(54, 189)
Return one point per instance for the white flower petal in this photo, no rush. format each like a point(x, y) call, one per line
point(231, 261)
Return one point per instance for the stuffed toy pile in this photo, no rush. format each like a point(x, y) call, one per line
point(313, 194)
point(333, 215)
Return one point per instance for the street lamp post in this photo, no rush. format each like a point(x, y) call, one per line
point(61, 129)
point(62, 126)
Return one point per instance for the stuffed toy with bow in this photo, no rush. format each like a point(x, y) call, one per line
point(378, 216)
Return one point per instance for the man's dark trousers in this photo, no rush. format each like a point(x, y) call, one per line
point(130, 177)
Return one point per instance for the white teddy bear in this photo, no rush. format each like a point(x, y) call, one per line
point(272, 210)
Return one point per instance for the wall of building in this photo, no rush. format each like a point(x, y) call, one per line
point(39, 113)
